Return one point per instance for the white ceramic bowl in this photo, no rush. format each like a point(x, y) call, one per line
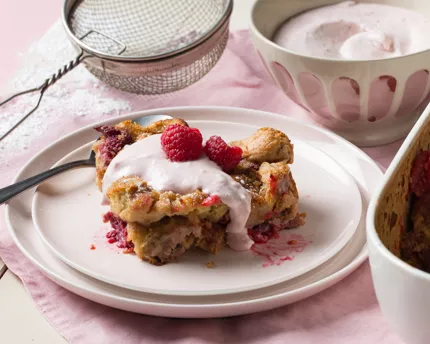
point(368, 102)
point(403, 291)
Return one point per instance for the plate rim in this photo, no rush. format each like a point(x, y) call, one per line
point(227, 291)
point(307, 290)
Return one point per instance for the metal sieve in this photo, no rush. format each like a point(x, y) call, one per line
point(142, 46)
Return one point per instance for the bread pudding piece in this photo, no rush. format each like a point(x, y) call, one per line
point(162, 225)
point(415, 243)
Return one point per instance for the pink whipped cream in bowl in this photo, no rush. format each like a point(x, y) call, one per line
point(361, 68)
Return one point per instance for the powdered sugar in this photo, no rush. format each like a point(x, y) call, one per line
point(78, 96)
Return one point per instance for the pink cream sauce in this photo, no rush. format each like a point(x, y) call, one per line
point(146, 159)
point(352, 30)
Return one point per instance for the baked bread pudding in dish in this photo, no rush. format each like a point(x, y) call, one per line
point(170, 191)
point(415, 244)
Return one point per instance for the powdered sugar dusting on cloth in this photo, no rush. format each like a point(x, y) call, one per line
point(346, 313)
point(77, 94)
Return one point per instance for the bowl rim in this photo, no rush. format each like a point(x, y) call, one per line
point(372, 234)
point(254, 29)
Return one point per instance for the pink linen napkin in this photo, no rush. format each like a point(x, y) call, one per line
point(346, 313)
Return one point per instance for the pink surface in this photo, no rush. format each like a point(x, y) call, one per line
point(346, 313)
point(414, 92)
point(346, 98)
point(284, 79)
point(22, 22)
point(314, 94)
point(381, 97)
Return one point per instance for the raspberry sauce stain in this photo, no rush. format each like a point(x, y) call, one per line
point(280, 249)
point(118, 234)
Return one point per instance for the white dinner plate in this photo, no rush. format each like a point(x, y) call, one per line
point(67, 213)
point(365, 172)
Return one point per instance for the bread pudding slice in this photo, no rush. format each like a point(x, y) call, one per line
point(162, 225)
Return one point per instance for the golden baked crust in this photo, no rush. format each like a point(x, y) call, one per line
point(266, 145)
point(163, 225)
point(138, 132)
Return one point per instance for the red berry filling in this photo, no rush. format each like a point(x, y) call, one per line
point(108, 131)
point(420, 174)
point(225, 156)
point(211, 200)
point(119, 232)
point(115, 140)
point(182, 143)
point(262, 233)
point(273, 184)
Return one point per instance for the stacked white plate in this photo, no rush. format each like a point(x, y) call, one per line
point(335, 181)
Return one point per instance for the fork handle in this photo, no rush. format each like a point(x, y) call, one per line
point(15, 189)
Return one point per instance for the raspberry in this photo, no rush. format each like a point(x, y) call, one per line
point(263, 232)
point(225, 156)
point(273, 184)
point(114, 142)
point(420, 174)
point(182, 143)
point(118, 233)
point(211, 200)
point(108, 131)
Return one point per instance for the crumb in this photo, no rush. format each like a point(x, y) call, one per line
point(92, 247)
point(210, 265)
point(89, 194)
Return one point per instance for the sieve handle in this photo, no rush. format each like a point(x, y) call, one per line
point(41, 89)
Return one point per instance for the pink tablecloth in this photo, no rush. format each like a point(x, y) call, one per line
point(346, 313)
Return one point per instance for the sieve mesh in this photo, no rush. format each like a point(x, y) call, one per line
point(149, 46)
point(172, 80)
point(147, 28)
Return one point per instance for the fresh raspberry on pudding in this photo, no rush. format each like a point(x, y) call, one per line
point(225, 156)
point(115, 140)
point(182, 143)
